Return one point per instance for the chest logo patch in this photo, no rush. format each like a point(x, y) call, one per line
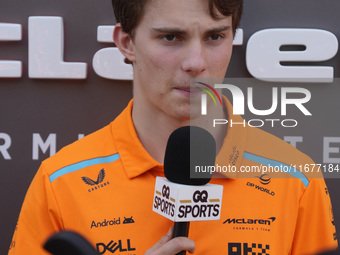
point(100, 179)
point(98, 184)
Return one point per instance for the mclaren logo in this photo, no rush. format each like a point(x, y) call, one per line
point(98, 184)
point(264, 179)
point(250, 221)
point(246, 224)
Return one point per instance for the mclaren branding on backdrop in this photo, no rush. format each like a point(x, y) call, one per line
point(61, 77)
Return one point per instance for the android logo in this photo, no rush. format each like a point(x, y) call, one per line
point(128, 220)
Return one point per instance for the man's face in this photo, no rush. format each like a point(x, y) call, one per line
point(177, 40)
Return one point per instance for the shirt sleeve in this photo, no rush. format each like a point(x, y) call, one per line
point(39, 217)
point(315, 228)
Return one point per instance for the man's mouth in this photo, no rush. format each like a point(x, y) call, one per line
point(189, 91)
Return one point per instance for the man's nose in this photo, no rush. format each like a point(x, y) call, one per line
point(194, 59)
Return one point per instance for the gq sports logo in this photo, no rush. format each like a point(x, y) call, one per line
point(294, 96)
point(201, 205)
point(187, 203)
point(164, 202)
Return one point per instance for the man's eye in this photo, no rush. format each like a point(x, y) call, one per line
point(169, 38)
point(215, 37)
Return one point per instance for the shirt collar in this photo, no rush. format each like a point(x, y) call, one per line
point(136, 160)
point(231, 154)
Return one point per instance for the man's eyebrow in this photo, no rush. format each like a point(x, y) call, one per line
point(169, 30)
point(218, 29)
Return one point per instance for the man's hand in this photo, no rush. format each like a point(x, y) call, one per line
point(168, 246)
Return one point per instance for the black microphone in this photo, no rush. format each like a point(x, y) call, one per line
point(187, 148)
point(69, 243)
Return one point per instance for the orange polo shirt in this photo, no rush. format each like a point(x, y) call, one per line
point(102, 187)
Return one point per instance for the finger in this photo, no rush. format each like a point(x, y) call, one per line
point(166, 238)
point(176, 245)
point(161, 241)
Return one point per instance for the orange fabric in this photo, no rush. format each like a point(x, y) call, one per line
point(102, 187)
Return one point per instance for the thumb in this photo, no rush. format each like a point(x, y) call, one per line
point(163, 240)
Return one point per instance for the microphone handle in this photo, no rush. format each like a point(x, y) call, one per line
point(181, 229)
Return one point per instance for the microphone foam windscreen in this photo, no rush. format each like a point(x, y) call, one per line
point(69, 243)
point(189, 149)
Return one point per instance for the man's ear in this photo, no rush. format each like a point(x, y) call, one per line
point(124, 42)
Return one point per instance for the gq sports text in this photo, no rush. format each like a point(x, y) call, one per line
point(263, 169)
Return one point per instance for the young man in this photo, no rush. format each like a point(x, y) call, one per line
point(168, 43)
